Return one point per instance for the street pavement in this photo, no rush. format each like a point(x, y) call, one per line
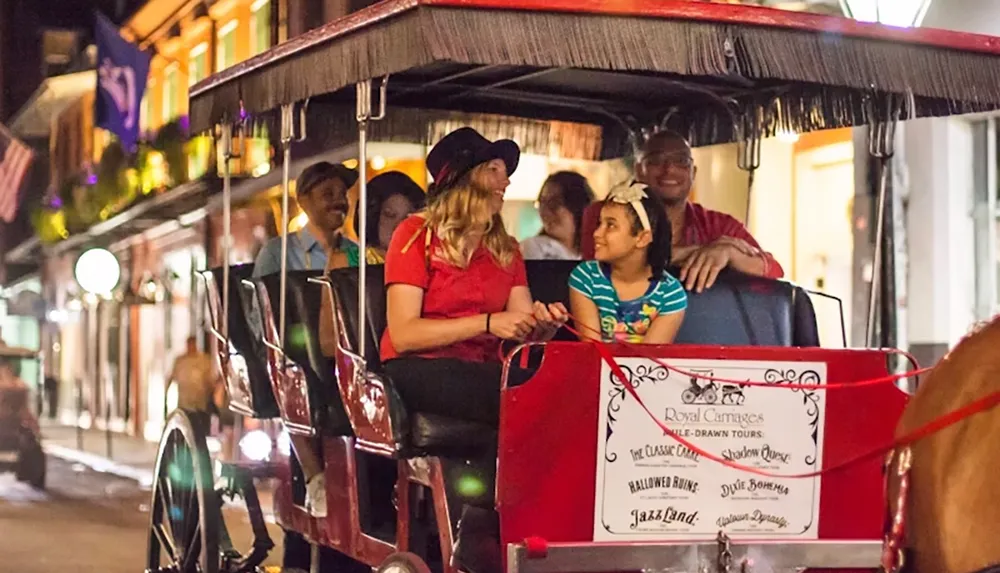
point(92, 517)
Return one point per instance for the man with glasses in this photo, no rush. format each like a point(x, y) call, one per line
point(704, 241)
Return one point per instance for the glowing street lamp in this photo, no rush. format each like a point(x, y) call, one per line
point(902, 13)
point(97, 272)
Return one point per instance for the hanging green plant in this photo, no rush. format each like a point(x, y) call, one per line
point(49, 224)
point(170, 141)
point(120, 179)
point(111, 186)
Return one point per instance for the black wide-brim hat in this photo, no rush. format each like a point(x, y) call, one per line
point(460, 151)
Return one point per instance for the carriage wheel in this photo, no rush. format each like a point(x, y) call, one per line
point(403, 562)
point(688, 396)
point(710, 396)
point(184, 514)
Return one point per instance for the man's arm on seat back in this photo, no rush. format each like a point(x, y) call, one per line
point(756, 261)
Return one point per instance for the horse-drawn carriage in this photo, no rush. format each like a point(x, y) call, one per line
point(585, 479)
point(20, 435)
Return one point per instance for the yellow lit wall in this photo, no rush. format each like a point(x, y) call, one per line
point(229, 25)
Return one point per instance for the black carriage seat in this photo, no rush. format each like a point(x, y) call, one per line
point(417, 433)
point(738, 310)
point(741, 310)
point(245, 335)
point(302, 346)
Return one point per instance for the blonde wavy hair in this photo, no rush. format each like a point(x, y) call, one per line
point(465, 209)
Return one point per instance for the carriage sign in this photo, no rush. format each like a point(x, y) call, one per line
point(650, 487)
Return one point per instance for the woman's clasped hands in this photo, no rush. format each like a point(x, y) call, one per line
point(540, 324)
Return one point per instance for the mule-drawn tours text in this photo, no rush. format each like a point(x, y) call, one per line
point(650, 487)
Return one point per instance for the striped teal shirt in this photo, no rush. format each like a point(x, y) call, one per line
point(627, 320)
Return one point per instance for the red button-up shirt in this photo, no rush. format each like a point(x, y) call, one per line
point(701, 227)
point(449, 291)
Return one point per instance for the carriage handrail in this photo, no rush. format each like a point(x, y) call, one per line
point(274, 347)
point(840, 306)
point(538, 556)
point(354, 356)
point(363, 114)
point(250, 284)
point(217, 335)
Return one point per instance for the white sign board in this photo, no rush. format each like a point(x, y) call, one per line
point(650, 487)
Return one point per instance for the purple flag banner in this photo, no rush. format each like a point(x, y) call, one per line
point(122, 69)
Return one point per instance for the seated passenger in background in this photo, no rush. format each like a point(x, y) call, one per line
point(392, 197)
point(563, 199)
point(321, 192)
point(704, 241)
point(626, 295)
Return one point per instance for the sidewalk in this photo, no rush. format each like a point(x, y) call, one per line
point(129, 456)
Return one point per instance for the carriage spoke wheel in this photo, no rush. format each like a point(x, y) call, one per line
point(184, 515)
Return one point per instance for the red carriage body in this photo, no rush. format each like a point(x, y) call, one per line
point(718, 73)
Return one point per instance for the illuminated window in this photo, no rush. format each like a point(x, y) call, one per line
point(144, 111)
point(198, 64)
point(170, 102)
point(260, 26)
point(225, 47)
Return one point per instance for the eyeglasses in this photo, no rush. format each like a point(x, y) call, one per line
point(679, 158)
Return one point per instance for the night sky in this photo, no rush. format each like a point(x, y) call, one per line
point(78, 13)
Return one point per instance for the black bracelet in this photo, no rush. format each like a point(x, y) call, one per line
point(488, 315)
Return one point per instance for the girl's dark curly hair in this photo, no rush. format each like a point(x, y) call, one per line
point(659, 251)
point(576, 196)
point(380, 188)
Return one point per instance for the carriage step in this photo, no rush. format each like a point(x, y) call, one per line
point(251, 470)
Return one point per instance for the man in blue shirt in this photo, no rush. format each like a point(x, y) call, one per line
point(321, 191)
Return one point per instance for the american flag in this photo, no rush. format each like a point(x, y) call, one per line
point(15, 157)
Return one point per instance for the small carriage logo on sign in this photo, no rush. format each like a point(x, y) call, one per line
point(704, 389)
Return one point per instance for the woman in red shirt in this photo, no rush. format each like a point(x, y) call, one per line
point(456, 285)
point(455, 288)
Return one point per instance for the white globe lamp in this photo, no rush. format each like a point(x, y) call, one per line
point(901, 13)
point(97, 271)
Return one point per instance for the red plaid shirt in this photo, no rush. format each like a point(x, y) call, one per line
point(701, 227)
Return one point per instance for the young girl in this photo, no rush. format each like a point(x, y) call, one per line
point(627, 295)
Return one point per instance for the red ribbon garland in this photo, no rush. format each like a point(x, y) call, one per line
point(981, 405)
point(826, 386)
point(978, 406)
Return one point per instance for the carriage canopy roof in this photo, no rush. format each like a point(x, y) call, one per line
point(701, 68)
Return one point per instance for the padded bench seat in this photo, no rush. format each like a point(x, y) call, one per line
point(737, 310)
point(302, 346)
point(245, 335)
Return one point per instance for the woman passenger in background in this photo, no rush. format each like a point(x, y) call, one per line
point(392, 197)
point(564, 197)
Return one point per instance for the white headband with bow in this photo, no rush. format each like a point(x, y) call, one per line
point(632, 194)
